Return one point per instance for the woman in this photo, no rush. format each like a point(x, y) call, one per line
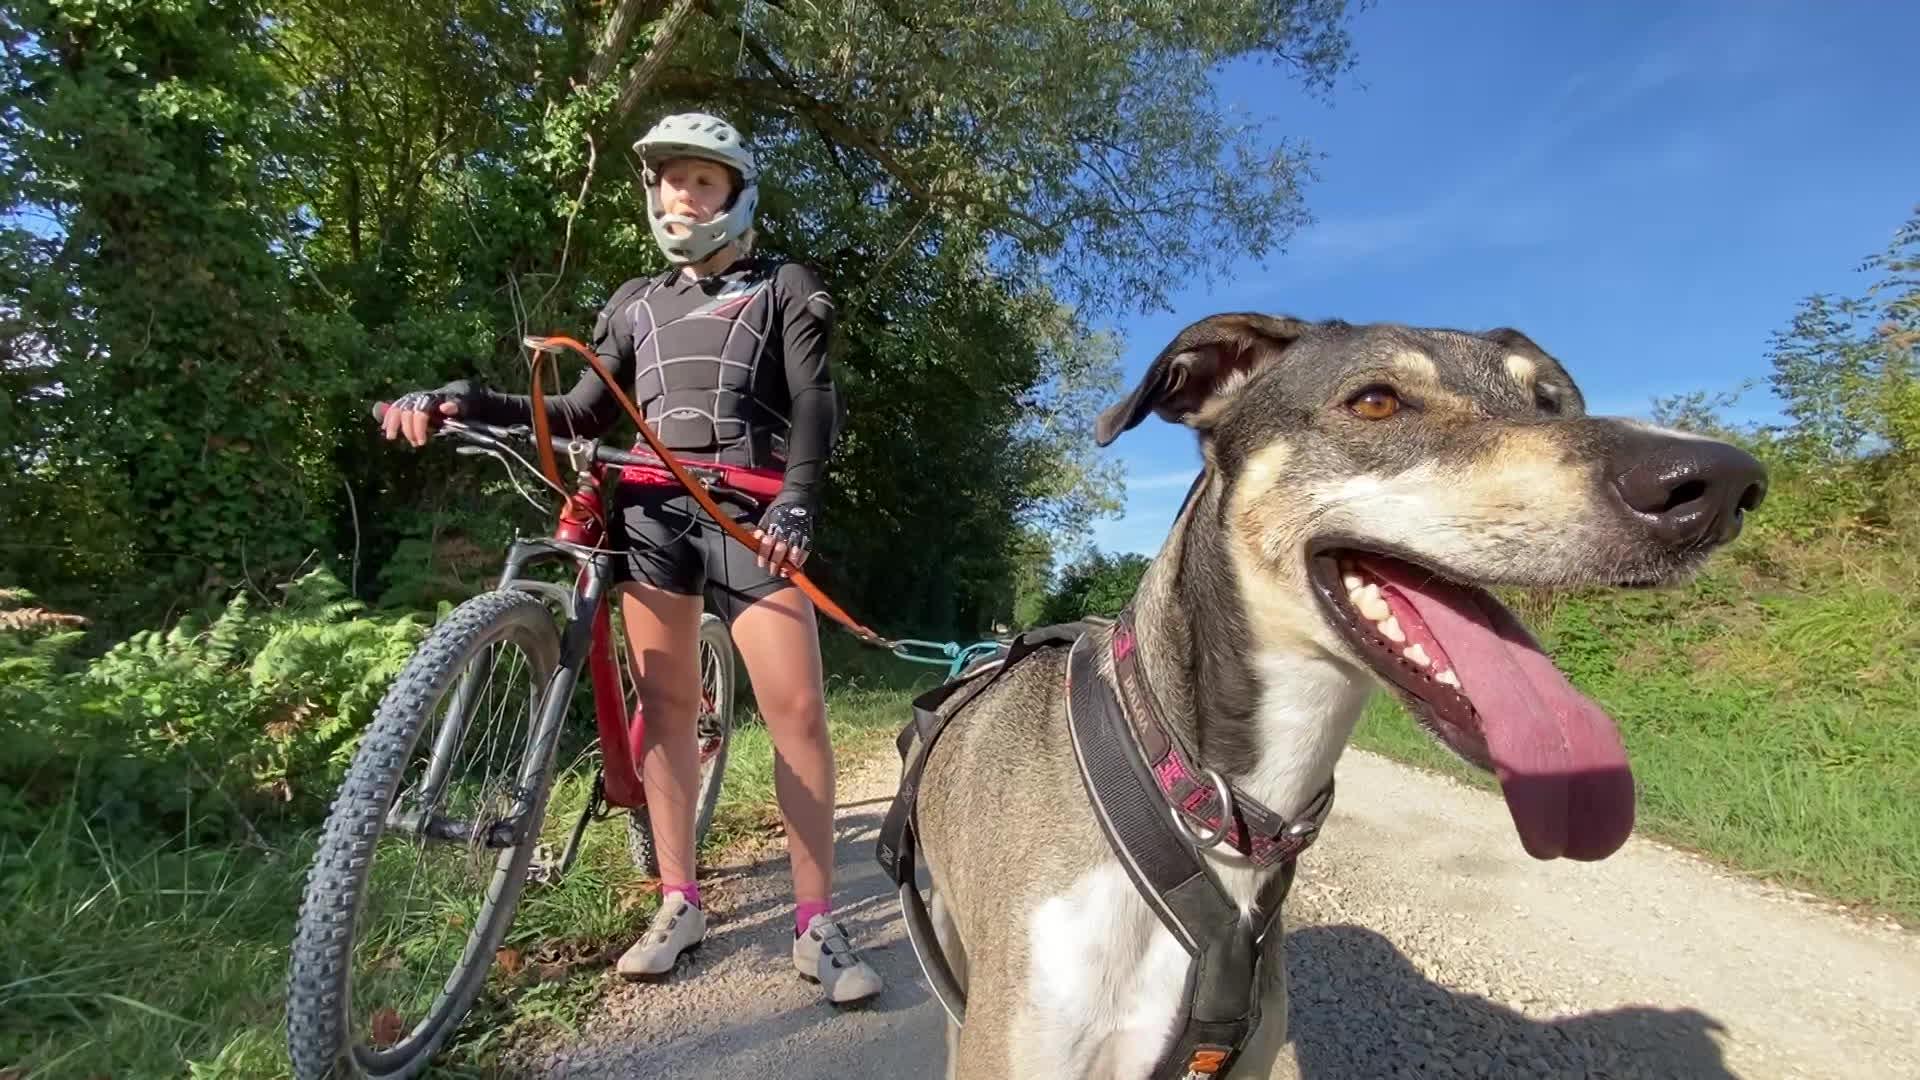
point(727, 355)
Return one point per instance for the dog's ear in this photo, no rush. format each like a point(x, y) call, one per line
point(1508, 337)
point(1203, 362)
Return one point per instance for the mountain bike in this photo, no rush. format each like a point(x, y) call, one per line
point(435, 832)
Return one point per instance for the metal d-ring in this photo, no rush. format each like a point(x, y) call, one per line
point(1220, 831)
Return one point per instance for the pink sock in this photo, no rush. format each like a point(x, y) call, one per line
point(804, 911)
point(691, 890)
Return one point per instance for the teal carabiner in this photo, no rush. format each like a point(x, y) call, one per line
point(949, 653)
point(971, 653)
point(942, 651)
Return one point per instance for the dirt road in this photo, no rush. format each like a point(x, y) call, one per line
point(1422, 942)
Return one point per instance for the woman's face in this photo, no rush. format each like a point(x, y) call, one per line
point(694, 188)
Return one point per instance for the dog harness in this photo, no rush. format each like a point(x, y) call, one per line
point(1157, 809)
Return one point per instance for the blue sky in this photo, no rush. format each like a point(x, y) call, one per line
point(1645, 190)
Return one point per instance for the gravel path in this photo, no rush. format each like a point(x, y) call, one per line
point(1423, 942)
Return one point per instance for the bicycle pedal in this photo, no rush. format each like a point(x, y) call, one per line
point(544, 867)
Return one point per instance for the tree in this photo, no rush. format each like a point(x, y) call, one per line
point(1845, 368)
point(1700, 412)
point(1099, 583)
point(1845, 372)
point(147, 135)
point(264, 215)
point(1085, 145)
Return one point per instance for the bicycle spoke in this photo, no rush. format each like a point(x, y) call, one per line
point(428, 893)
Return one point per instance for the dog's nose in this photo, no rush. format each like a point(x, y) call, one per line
point(1689, 491)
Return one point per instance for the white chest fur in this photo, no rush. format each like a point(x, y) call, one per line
point(1308, 708)
point(1104, 981)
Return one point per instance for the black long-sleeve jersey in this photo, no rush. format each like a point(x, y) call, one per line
point(732, 368)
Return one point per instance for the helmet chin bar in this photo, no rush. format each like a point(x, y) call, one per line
point(697, 240)
point(698, 135)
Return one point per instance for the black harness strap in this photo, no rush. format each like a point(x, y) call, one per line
point(1221, 998)
point(897, 843)
point(1221, 1002)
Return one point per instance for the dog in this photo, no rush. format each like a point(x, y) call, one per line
point(1362, 487)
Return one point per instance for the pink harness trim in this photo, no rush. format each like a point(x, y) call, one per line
point(1251, 829)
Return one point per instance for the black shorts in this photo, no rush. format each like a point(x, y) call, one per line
point(672, 544)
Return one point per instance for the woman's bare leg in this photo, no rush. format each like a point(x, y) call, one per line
point(779, 642)
point(663, 630)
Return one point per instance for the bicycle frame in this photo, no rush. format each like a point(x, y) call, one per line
point(579, 532)
point(582, 636)
point(514, 614)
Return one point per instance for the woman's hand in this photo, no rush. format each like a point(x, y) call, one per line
point(786, 536)
point(415, 415)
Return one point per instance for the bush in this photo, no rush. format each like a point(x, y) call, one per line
point(250, 712)
point(1099, 584)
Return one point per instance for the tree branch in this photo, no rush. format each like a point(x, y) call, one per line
point(647, 69)
point(626, 18)
point(593, 158)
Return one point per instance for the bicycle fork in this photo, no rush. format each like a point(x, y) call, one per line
point(420, 818)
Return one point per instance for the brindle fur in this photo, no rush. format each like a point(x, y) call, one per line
point(1491, 470)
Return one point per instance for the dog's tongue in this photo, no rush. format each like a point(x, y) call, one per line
point(1558, 756)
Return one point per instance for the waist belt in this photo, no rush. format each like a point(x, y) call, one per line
point(762, 484)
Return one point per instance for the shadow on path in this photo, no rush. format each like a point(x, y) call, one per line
point(1358, 1008)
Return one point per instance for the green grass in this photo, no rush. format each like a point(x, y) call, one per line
point(159, 958)
point(1771, 711)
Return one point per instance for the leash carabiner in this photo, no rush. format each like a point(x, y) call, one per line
point(949, 653)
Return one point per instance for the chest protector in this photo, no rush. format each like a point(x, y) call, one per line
point(707, 371)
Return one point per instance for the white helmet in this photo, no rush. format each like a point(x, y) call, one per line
point(697, 135)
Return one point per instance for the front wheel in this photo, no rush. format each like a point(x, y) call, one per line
point(426, 849)
point(715, 732)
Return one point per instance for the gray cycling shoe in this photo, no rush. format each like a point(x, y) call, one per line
point(824, 955)
point(677, 927)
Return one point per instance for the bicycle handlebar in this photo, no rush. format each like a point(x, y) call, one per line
point(476, 432)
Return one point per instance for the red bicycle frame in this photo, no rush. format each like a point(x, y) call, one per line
point(583, 521)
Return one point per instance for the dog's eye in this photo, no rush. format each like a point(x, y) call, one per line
point(1374, 403)
point(1546, 399)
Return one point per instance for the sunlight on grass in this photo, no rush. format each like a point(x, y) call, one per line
point(170, 959)
point(1769, 719)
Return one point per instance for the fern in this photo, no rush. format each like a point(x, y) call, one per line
point(226, 638)
point(255, 711)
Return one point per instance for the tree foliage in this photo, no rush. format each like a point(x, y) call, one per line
point(1099, 583)
point(1844, 370)
point(233, 225)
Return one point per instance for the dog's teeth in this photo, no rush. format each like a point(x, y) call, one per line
point(1352, 582)
point(1372, 604)
point(1391, 628)
point(1418, 654)
point(1449, 678)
